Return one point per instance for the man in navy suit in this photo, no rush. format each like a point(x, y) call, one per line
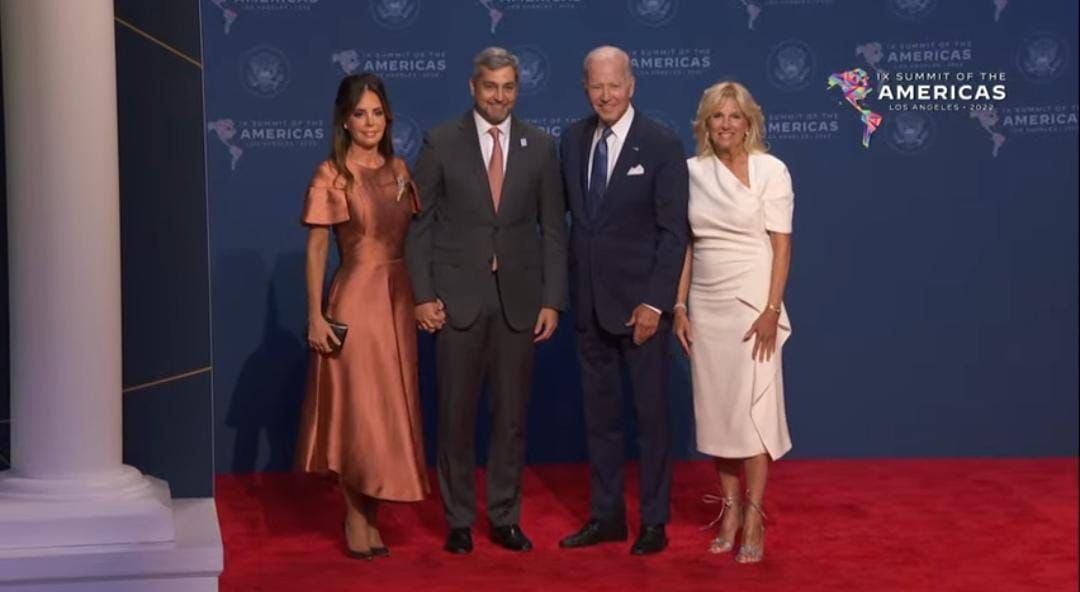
point(626, 183)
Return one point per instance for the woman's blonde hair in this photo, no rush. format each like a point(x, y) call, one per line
point(711, 99)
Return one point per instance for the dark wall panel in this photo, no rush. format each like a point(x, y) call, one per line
point(167, 434)
point(174, 22)
point(166, 286)
point(163, 212)
point(5, 438)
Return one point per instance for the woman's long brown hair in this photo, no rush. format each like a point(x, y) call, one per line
point(348, 95)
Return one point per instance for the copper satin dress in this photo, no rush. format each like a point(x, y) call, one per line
point(361, 413)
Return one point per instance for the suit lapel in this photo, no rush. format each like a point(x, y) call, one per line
point(586, 151)
point(475, 157)
point(515, 163)
point(629, 155)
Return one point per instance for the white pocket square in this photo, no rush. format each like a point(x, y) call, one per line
point(635, 171)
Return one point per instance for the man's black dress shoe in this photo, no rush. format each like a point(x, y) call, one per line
point(459, 541)
point(510, 537)
point(651, 540)
point(594, 532)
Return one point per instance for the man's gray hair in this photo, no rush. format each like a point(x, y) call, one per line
point(494, 58)
point(607, 52)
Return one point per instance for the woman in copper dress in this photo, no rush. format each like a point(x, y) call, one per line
point(361, 413)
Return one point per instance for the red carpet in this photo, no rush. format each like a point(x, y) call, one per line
point(873, 525)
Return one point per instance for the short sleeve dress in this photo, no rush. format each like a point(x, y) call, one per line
point(361, 412)
point(738, 402)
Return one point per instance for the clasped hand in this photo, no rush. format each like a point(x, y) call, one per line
point(430, 316)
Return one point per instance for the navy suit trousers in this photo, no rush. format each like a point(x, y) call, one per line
point(602, 357)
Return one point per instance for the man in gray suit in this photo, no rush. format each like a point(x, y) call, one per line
point(487, 255)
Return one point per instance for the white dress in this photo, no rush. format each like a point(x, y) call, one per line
point(738, 402)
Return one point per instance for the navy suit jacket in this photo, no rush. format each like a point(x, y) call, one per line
point(632, 251)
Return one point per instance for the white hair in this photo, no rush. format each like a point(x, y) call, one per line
point(605, 53)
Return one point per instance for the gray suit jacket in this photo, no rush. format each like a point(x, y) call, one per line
point(457, 232)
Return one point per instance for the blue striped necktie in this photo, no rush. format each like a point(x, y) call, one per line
point(598, 177)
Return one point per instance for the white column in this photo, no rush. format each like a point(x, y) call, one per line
point(67, 485)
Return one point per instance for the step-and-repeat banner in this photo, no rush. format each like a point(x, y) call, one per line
point(933, 147)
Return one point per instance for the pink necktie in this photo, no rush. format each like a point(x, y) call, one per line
point(495, 168)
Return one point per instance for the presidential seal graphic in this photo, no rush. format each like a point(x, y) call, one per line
point(654, 13)
point(790, 65)
point(533, 70)
point(264, 71)
point(395, 14)
point(1042, 57)
point(406, 136)
point(912, 10)
point(910, 132)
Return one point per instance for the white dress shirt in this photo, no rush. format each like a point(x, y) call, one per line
point(614, 142)
point(487, 142)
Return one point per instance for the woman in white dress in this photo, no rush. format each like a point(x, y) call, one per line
point(729, 315)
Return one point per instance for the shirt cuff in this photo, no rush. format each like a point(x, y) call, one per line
point(653, 308)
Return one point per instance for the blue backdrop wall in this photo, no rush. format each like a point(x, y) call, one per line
point(934, 284)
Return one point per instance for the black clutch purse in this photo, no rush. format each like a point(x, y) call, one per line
point(340, 331)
